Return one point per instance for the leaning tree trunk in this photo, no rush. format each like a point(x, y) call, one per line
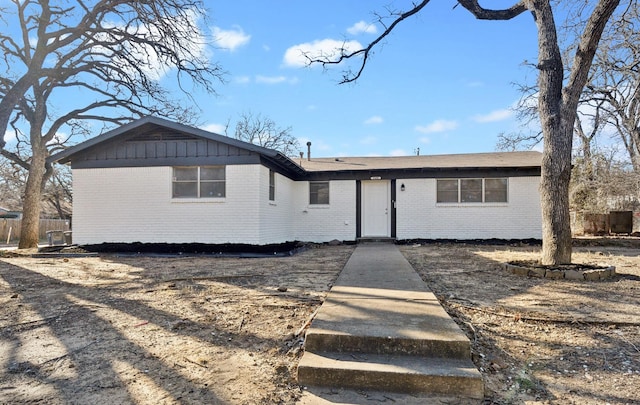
point(558, 136)
point(30, 229)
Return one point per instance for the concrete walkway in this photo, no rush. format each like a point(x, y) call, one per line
point(383, 331)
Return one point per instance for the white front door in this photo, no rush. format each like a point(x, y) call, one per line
point(376, 218)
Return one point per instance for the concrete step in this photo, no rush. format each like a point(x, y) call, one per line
point(457, 347)
point(385, 321)
point(380, 328)
point(353, 396)
point(376, 239)
point(406, 374)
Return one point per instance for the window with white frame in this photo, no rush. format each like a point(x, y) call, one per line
point(272, 185)
point(489, 190)
point(198, 182)
point(318, 192)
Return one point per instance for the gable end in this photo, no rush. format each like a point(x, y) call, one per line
point(163, 148)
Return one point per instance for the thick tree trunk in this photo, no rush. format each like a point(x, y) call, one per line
point(32, 206)
point(558, 136)
point(558, 107)
point(554, 197)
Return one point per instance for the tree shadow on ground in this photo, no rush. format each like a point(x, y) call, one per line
point(91, 351)
point(537, 338)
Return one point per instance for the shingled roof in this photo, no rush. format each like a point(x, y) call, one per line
point(296, 168)
point(527, 159)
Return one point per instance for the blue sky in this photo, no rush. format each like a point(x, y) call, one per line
point(442, 82)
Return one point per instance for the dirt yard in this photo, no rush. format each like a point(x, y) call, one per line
point(541, 341)
point(206, 330)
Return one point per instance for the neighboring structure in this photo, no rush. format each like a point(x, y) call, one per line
point(158, 181)
point(8, 214)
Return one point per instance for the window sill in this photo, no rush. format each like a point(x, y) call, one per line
point(198, 200)
point(471, 205)
point(318, 207)
point(273, 203)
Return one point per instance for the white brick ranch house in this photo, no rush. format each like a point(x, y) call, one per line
point(156, 181)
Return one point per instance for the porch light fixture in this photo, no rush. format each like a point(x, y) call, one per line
point(402, 187)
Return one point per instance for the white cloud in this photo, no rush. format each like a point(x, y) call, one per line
point(425, 140)
point(362, 27)
point(329, 49)
point(437, 126)
point(215, 128)
point(368, 140)
point(275, 79)
point(61, 137)
point(242, 79)
point(270, 79)
point(232, 39)
point(9, 136)
point(493, 116)
point(376, 119)
point(398, 152)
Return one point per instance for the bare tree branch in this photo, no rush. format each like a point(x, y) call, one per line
point(114, 51)
point(365, 52)
point(518, 141)
point(343, 54)
point(486, 14)
point(586, 51)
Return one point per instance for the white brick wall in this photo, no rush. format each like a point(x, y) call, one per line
point(276, 217)
point(419, 217)
point(318, 223)
point(135, 205)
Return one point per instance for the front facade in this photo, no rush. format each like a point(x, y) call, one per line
point(154, 181)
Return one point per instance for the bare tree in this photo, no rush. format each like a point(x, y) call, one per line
point(609, 111)
point(105, 59)
point(513, 141)
point(526, 112)
point(557, 102)
point(263, 131)
point(57, 196)
point(614, 88)
point(604, 184)
point(12, 179)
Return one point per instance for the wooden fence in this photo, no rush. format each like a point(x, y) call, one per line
point(613, 222)
point(10, 229)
